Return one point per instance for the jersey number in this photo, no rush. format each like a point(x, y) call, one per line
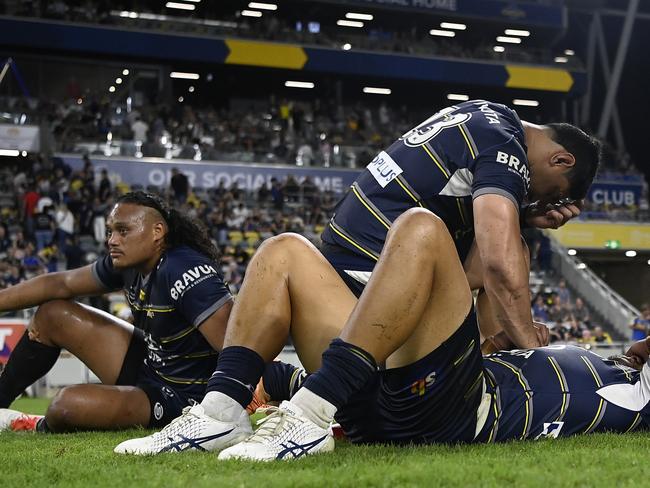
point(435, 124)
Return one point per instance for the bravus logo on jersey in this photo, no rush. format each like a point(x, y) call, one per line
point(190, 278)
point(515, 165)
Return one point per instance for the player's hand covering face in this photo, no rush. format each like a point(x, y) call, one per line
point(552, 216)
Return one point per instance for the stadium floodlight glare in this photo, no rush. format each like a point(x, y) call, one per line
point(517, 32)
point(263, 6)
point(191, 89)
point(572, 252)
point(356, 16)
point(184, 76)
point(457, 96)
point(298, 84)
point(376, 91)
point(631, 253)
point(525, 103)
point(347, 46)
point(349, 23)
point(180, 6)
point(9, 152)
point(648, 261)
point(442, 33)
point(561, 59)
point(453, 26)
point(251, 13)
point(499, 49)
point(193, 1)
point(125, 72)
point(581, 266)
point(569, 52)
point(509, 40)
point(111, 89)
point(118, 81)
point(180, 99)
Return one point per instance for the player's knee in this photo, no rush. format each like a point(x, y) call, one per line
point(48, 317)
point(60, 414)
point(420, 226)
point(287, 244)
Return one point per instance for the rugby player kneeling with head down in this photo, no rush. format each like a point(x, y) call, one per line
point(435, 386)
point(169, 271)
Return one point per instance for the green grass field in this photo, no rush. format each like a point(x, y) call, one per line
point(87, 459)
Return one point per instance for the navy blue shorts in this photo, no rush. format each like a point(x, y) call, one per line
point(344, 261)
point(432, 400)
point(166, 401)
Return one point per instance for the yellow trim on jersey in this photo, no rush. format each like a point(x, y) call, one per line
point(444, 172)
point(563, 387)
point(181, 381)
point(635, 422)
point(353, 243)
point(526, 392)
point(591, 369)
point(368, 207)
point(600, 407)
point(148, 309)
point(467, 352)
point(494, 405)
point(469, 144)
point(462, 212)
point(199, 355)
point(181, 334)
point(408, 192)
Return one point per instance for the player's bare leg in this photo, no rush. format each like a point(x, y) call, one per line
point(417, 297)
point(100, 341)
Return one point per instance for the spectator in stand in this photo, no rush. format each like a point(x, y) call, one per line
point(580, 313)
point(5, 242)
point(104, 187)
point(64, 224)
point(641, 325)
point(539, 312)
point(180, 186)
point(587, 337)
point(139, 128)
point(43, 228)
point(563, 292)
point(30, 200)
point(74, 255)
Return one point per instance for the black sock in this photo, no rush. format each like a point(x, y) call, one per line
point(346, 369)
point(41, 426)
point(238, 371)
point(282, 380)
point(29, 361)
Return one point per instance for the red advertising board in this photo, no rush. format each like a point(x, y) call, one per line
point(11, 330)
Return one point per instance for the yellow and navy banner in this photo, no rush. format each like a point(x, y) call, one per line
point(605, 235)
point(57, 36)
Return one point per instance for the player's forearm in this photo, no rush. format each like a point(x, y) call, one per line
point(509, 296)
point(34, 292)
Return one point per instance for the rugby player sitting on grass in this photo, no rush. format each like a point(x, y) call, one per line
point(169, 271)
point(433, 386)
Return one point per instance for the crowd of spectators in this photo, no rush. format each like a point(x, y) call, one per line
point(299, 29)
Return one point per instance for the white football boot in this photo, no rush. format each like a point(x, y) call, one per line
point(285, 434)
point(14, 420)
point(193, 430)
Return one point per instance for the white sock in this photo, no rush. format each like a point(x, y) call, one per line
point(221, 407)
point(315, 408)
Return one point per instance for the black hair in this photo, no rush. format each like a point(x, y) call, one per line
point(587, 151)
point(182, 230)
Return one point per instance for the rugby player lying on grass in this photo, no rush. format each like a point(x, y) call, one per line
point(169, 271)
point(415, 317)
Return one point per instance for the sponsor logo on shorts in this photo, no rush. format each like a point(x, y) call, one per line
point(158, 411)
point(551, 430)
point(419, 387)
point(384, 169)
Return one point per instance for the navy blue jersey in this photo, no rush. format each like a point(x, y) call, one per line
point(169, 305)
point(459, 153)
point(561, 391)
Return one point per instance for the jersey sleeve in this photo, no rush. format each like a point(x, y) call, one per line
point(502, 170)
point(198, 291)
point(106, 275)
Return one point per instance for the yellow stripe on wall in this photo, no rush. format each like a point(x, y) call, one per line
point(267, 54)
point(551, 79)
